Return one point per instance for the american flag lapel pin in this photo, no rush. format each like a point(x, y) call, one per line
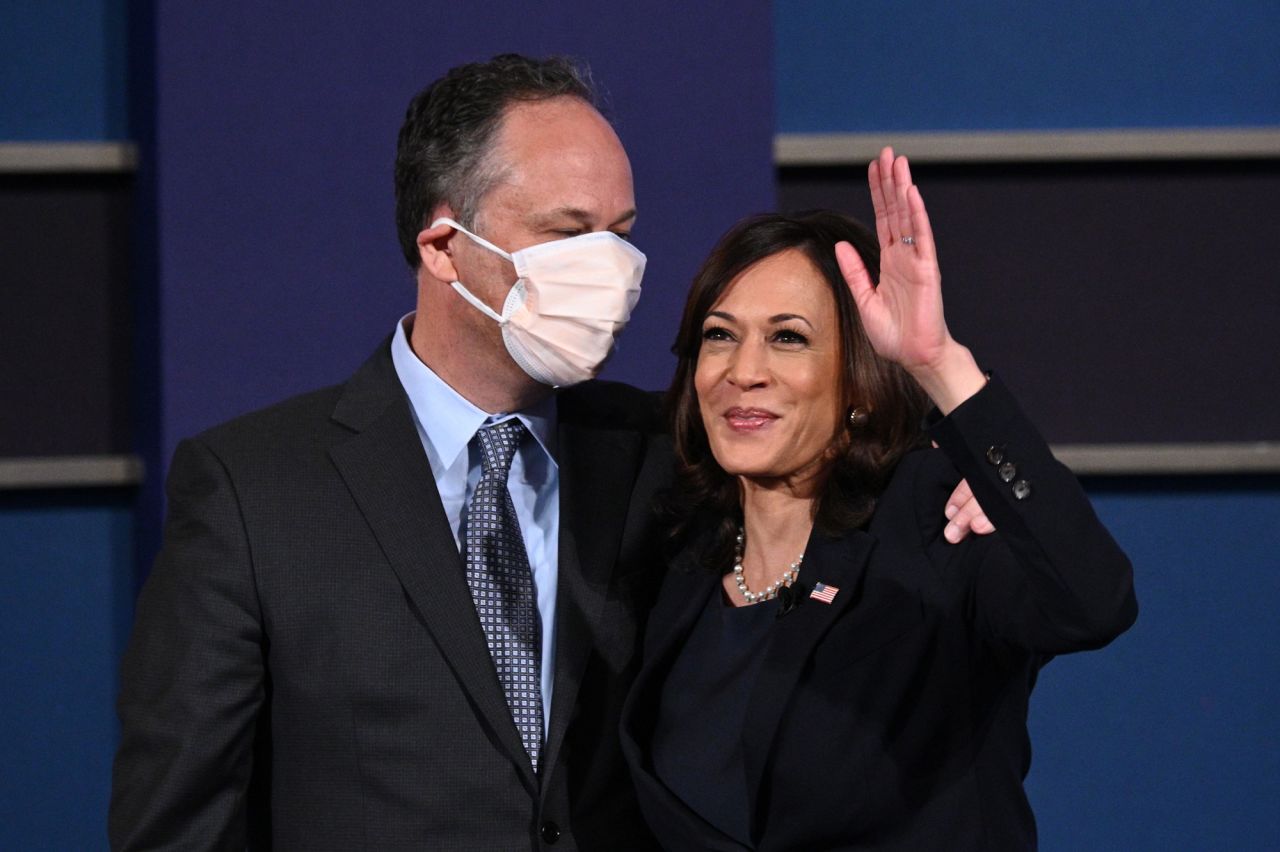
point(823, 592)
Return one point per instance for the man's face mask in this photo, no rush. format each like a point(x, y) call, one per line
point(571, 300)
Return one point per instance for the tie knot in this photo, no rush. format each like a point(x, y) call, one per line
point(498, 445)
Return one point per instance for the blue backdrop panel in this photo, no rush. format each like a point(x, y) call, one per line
point(67, 565)
point(936, 65)
point(1168, 739)
point(62, 70)
point(275, 138)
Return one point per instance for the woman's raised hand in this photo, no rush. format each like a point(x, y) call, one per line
point(903, 315)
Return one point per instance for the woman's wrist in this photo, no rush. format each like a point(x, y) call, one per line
point(952, 378)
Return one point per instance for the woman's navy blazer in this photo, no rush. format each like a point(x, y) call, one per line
point(895, 716)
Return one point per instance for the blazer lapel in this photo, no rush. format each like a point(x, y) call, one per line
point(597, 471)
point(386, 470)
point(683, 596)
point(839, 562)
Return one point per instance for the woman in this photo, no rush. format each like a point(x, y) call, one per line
point(842, 676)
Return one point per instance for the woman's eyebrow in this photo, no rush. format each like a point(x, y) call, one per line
point(777, 318)
point(773, 320)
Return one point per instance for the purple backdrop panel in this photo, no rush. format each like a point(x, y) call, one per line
point(275, 136)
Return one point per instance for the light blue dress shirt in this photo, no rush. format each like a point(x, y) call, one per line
point(446, 424)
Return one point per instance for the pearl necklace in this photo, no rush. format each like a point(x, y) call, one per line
point(771, 591)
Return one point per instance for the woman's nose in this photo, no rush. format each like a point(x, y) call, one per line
point(748, 367)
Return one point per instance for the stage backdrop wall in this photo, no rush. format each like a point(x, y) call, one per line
point(266, 263)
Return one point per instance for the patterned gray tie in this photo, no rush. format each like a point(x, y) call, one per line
point(502, 583)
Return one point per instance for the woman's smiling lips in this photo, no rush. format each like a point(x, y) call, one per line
point(748, 419)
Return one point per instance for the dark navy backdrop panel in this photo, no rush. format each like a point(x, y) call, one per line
point(1169, 739)
point(66, 562)
point(275, 137)
point(65, 297)
point(938, 65)
point(62, 70)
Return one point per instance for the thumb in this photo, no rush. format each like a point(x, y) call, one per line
point(855, 273)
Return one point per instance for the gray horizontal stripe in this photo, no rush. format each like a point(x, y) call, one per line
point(53, 157)
point(1119, 459)
point(70, 472)
point(823, 149)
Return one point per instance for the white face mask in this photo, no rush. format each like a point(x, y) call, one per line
point(571, 300)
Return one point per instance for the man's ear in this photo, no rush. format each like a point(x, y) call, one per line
point(433, 247)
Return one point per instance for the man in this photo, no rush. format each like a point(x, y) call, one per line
point(307, 667)
point(355, 637)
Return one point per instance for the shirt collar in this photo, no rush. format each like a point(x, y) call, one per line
point(447, 418)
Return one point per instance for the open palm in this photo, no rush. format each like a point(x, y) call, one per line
point(903, 315)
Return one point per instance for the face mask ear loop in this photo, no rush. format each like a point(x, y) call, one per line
point(477, 304)
point(457, 285)
point(478, 240)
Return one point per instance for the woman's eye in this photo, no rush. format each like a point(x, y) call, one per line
point(786, 335)
point(715, 332)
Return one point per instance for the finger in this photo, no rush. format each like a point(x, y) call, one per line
point(901, 186)
point(969, 520)
point(959, 497)
point(965, 515)
point(878, 204)
point(855, 273)
point(971, 517)
point(890, 196)
point(922, 230)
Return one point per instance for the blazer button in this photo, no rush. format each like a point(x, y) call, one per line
point(550, 832)
point(995, 455)
point(1007, 471)
point(1021, 489)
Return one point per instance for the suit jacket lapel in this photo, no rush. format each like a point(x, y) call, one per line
point(597, 470)
point(387, 472)
point(684, 594)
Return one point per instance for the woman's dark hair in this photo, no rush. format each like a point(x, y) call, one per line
point(705, 498)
